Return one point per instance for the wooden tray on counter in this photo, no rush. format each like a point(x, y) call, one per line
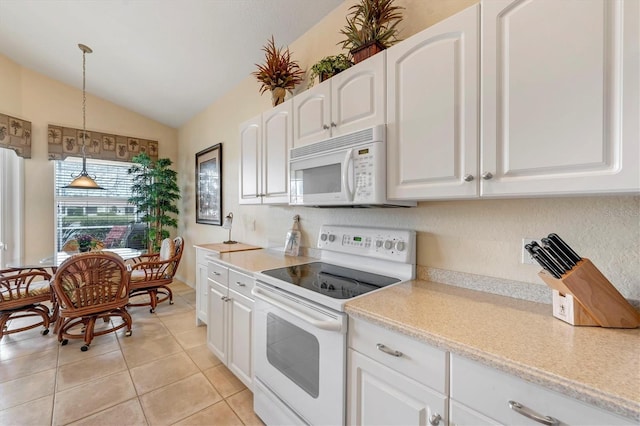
point(228, 248)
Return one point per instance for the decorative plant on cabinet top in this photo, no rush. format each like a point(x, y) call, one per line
point(154, 192)
point(329, 66)
point(279, 73)
point(371, 28)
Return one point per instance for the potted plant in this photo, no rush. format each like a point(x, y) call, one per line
point(84, 242)
point(371, 28)
point(279, 73)
point(329, 66)
point(154, 193)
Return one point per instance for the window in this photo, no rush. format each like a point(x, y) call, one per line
point(104, 214)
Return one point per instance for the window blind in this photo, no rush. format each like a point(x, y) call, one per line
point(104, 214)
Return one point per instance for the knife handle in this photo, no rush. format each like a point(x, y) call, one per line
point(532, 249)
point(557, 254)
point(555, 268)
point(564, 247)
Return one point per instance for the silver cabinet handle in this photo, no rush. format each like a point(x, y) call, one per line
point(527, 412)
point(215, 273)
point(333, 124)
point(240, 284)
point(434, 420)
point(325, 127)
point(222, 298)
point(487, 175)
point(468, 178)
point(388, 351)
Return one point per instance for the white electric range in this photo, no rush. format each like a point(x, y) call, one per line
point(300, 326)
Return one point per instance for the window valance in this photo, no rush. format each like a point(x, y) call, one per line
point(15, 134)
point(67, 142)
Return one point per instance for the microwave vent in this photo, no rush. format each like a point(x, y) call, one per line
point(355, 138)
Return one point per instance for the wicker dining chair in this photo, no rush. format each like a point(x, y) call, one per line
point(22, 292)
point(91, 286)
point(152, 273)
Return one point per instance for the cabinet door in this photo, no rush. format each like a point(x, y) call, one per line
point(432, 111)
point(312, 115)
point(276, 141)
point(560, 84)
point(378, 395)
point(217, 321)
point(202, 291)
point(250, 157)
point(240, 361)
point(358, 96)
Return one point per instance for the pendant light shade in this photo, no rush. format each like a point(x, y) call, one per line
point(83, 180)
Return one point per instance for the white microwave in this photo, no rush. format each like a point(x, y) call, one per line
point(345, 171)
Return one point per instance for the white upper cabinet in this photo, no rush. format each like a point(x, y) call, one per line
point(560, 90)
point(432, 111)
point(349, 101)
point(250, 161)
point(264, 151)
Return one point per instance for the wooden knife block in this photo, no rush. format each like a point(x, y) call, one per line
point(583, 296)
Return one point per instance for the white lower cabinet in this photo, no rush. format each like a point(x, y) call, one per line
point(394, 380)
point(229, 320)
point(483, 395)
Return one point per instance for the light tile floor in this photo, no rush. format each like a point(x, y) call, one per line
point(163, 374)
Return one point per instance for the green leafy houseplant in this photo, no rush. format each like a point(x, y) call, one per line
point(329, 66)
point(279, 73)
point(154, 192)
point(371, 27)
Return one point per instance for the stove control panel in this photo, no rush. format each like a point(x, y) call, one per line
point(397, 245)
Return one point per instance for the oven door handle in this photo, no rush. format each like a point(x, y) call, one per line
point(348, 160)
point(295, 311)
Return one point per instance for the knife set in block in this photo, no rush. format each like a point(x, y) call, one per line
point(583, 296)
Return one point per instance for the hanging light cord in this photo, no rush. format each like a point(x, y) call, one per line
point(83, 180)
point(85, 50)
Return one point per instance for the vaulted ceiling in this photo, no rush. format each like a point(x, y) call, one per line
point(165, 59)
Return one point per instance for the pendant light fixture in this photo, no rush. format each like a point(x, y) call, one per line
point(83, 180)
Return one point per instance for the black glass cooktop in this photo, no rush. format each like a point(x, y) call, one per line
point(331, 280)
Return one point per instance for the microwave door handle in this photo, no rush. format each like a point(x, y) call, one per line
point(348, 160)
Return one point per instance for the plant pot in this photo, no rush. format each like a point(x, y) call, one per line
point(277, 95)
point(84, 249)
point(325, 76)
point(366, 50)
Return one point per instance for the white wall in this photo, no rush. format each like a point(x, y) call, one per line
point(481, 236)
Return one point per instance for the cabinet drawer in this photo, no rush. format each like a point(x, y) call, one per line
point(218, 273)
point(421, 362)
point(241, 283)
point(488, 391)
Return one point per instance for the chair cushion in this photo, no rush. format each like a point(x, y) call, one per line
point(36, 289)
point(167, 249)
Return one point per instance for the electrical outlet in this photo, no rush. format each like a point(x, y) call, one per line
point(526, 257)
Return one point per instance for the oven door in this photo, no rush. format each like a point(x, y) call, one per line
point(322, 179)
point(299, 357)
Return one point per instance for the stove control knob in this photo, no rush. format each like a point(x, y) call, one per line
point(388, 244)
point(332, 237)
point(323, 237)
point(400, 245)
point(378, 243)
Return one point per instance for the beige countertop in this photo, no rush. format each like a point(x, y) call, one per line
point(258, 260)
point(593, 364)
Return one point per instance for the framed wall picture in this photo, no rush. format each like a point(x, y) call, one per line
point(209, 185)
